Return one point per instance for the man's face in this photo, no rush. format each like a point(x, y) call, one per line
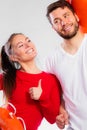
point(64, 22)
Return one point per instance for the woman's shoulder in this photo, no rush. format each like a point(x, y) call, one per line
point(51, 80)
point(49, 75)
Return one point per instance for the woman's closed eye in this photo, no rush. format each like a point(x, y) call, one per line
point(20, 45)
point(29, 40)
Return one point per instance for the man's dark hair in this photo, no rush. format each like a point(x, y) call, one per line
point(58, 4)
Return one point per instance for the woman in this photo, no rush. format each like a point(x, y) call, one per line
point(34, 93)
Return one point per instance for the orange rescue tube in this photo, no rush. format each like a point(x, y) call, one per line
point(9, 121)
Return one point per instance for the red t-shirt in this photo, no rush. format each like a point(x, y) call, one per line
point(33, 111)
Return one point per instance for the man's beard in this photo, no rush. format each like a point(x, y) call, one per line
point(70, 35)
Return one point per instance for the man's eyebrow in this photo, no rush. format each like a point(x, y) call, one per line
point(56, 19)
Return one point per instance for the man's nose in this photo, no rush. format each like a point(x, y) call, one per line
point(63, 22)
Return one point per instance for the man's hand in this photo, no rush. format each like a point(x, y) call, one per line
point(35, 92)
point(63, 118)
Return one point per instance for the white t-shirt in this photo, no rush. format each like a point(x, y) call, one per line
point(71, 71)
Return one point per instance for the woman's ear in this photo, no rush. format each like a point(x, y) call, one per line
point(13, 57)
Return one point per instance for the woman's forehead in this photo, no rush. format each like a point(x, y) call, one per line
point(18, 38)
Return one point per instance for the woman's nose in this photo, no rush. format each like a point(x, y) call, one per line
point(27, 44)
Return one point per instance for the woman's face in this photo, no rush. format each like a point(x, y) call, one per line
point(23, 50)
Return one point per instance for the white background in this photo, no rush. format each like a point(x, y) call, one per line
point(29, 17)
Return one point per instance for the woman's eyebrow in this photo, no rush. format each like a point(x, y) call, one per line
point(26, 38)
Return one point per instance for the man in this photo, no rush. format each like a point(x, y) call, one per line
point(69, 63)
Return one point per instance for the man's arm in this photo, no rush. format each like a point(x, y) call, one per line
point(63, 118)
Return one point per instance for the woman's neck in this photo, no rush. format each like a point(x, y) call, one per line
point(30, 67)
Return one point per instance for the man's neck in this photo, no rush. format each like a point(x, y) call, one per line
point(72, 45)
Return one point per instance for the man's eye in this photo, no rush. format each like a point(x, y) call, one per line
point(57, 21)
point(66, 16)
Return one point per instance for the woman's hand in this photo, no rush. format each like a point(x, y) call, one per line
point(35, 92)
